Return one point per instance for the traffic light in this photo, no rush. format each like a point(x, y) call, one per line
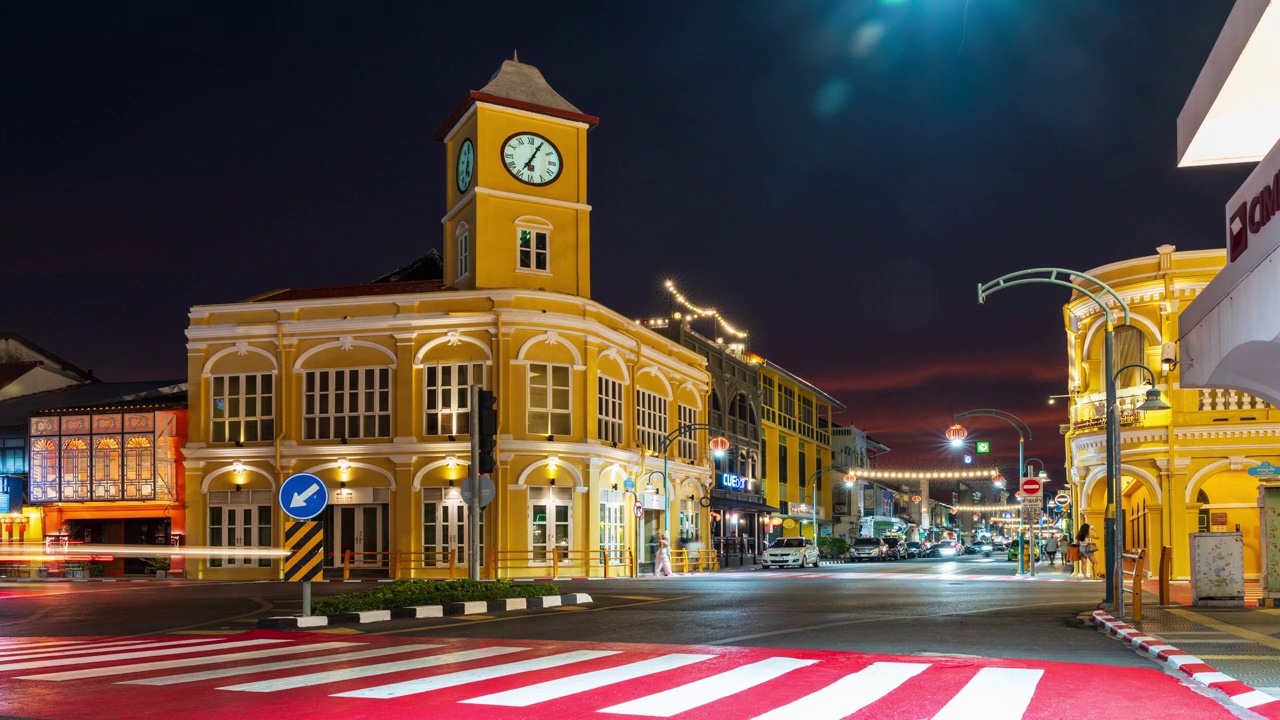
point(488, 408)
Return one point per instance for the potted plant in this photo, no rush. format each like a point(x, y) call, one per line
point(160, 564)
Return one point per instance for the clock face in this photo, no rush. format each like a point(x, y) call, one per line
point(466, 164)
point(531, 159)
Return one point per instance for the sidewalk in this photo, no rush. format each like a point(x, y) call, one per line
point(1236, 650)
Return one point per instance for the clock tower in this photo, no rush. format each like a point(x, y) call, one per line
point(517, 213)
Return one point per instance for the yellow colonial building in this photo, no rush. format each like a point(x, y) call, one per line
point(795, 443)
point(1184, 470)
point(365, 386)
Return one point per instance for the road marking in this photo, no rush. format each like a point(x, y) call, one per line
point(332, 676)
point(849, 694)
point(571, 608)
point(700, 692)
point(1001, 693)
point(79, 649)
point(629, 597)
point(26, 645)
point(555, 689)
point(30, 664)
point(1256, 637)
point(412, 687)
point(531, 616)
point(283, 665)
point(186, 662)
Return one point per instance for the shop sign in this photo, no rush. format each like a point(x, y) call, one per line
point(1253, 206)
point(1218, 518)
point(4, 502)
point(729, 481)
point(1265, 469)
point(800, 509)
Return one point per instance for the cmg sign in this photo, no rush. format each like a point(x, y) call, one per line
point(1031, 487)
point(1253, 206)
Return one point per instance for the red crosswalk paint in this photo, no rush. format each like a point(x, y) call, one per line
point(287, 676)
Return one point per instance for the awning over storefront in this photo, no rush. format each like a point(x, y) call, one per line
point(726, 504)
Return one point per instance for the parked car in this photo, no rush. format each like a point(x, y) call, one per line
point(1031, 546)
point(943, 549)
point(914, 549)
point(895, 549)
point(790, 552)
point(867, 549)
point(999, 546)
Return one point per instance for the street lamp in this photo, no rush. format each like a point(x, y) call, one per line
point(849, 480)
point(1024, 433)
point(718, 446)
point(1113, 478)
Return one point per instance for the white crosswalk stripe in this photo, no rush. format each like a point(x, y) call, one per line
point(148, 653)
point(282, 665)
point(118, 646)
point(185, 662)
point(716, 687)
point(10, 646)
point(1000, 693)
point(850, 693)
point(564, 687)
point(411, 687)
point(355, 673)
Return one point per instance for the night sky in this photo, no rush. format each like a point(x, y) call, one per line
point(835, 177)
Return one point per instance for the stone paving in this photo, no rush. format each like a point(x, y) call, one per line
point(1241, 642)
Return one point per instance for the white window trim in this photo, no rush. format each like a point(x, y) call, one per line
point(242, 418)
point(687, 445)
point(231, 560)
point(528, 398)
point(645, 432)
point(426, 389)
point(552, 502)
point(463, 249)
point(534, 225)
point(391, 404)
point(617, 424)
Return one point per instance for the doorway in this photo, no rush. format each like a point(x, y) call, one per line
point(361, 530)
point(445, 529)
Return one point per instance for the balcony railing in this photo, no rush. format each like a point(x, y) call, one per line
point(1090, 411)
point(1216, 399)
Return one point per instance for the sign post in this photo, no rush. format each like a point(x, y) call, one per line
point(473, 473)
point(1032, 489)
point(303, 497)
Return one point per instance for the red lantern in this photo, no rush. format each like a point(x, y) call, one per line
point(975, 516)
point(719, 446)
point(850, 478)
point(956, 433)
point(998, 479)
point(915, 498)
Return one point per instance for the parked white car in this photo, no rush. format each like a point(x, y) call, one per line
point(791, 552)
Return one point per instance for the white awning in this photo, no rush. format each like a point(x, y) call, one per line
point(1233, 112)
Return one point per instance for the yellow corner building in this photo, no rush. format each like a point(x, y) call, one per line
point(1183, 470)
point(365, 386)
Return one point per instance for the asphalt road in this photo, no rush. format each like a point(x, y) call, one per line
point(966, 606)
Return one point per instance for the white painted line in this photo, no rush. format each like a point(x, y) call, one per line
point(1179, 660)
point(1208, 678)
point(411, 687)
point(148, 653)
point(373, 615)
point(80, 650)
point(11, 646)
point(993, 694)
point(313, 621)
point(555, 689)
point(1252, 699)
point(700, 692)
point(355, 673)
point(849, 694)
point(186, 662)
point(283, 665)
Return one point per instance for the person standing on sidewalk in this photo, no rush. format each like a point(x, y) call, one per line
point(1051, 549)
point(662, 563)
point(1088, 542)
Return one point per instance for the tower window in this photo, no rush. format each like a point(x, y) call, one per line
point(534, 249)
point(464, 254)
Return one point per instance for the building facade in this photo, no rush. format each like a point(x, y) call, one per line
point(1183, 470)
point(365, 386)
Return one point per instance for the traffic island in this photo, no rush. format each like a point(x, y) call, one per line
point(420, 599)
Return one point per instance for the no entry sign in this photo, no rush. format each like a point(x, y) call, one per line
point(1032, 487)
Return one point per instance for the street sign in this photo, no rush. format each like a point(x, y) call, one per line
point(305, 542)
point(487, 491)
point(303, 496)
point(639, 509)
point(629, 485)
point(968, 459)
point(1031, 487)
point(1264, 469)
point(982, 447)
point(1062, 500)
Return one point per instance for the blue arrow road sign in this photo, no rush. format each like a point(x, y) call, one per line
point(303, 496)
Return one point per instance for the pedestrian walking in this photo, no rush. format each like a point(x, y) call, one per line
point(662, 566)
point(1087, 540)
point(1051, 549)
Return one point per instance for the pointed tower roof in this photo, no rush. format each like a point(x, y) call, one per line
point(518, 85)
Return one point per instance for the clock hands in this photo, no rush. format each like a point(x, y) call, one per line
point(529, 165)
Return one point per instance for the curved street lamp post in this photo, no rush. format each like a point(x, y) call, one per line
point(1112, 559)
point(1024, 432)
point(718, 445)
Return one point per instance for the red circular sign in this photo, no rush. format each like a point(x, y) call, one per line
point(639, 509)
point(1030, 486)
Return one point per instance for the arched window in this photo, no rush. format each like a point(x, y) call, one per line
point(106, 469)
point(1130, 349)
point(75, 469)
point(44, 471)
point(138, 463)
point(463, 237)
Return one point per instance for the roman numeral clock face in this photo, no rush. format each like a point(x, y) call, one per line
point(531, 159)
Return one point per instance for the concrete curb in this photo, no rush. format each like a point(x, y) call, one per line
point(473, 607)
point(1193, 667)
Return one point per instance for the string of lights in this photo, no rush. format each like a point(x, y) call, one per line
point(878, 474)
point(705, 312)
point(989, 508)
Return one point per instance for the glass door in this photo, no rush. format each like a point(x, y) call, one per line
point(359, 531)
point(444, 530)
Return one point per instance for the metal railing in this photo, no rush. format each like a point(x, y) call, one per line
point(694, 561)
point(401, 563)
point(565, 563)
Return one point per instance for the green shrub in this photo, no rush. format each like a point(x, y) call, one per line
point(407, 593)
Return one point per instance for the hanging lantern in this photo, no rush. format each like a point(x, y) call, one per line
point(998, 478)
point(719, 446)
point(975, 516)
point(850, 478)
point(915, 498)
point(956, 434)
